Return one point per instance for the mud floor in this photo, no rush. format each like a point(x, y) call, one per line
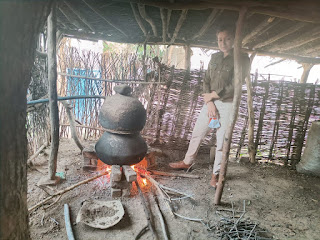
point(284, 203)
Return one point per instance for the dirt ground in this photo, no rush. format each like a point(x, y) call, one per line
point(283, 202)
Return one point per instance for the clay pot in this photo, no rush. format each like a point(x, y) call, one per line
point(121, 149)
point(121, 112)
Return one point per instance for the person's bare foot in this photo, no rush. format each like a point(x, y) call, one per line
point(179, 165)
point(214, 180)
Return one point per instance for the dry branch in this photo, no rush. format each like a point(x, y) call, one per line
point(173, 174)
point(162, 222)
point(146, 211)
point(65, 190)
point(37, 153)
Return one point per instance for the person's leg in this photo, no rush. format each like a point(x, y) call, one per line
point(224, 113)
point(198, 134)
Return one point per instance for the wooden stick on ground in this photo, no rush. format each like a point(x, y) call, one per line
point(173, 174)
point(37, 153)
point(146, 211)
point(162, 222)
point(160, 192)
point(65, 190)
point(67, 222)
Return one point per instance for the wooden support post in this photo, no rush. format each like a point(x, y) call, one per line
point(306, 70)
point(164, 24)
point(138, 19)
point(179, 25)
point(251, 146)
point(53, 96)
point(187, 59)
point(146, 17)
point(236, 102)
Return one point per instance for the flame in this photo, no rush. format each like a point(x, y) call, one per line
point(144, 181)
point(103, 168)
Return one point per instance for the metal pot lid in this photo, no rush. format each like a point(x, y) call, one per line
point(100, 214)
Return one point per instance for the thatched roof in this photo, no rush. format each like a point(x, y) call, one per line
point(288, 29)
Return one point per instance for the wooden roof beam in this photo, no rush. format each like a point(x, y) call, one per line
point(279, 9)
point(164, 24)
point(74, 22)
point(282, 34)
point(146, 17)
point(305, 38)
point(210, 20)
point(138, 19)
point(179, 25)
point(100, 14)
point(299, 59)
point(262, 27)
point(79, 15)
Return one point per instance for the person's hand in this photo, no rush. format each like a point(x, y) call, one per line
point(212, 110)
point(209, 96)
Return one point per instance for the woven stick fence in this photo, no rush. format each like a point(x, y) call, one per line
point(283, 110)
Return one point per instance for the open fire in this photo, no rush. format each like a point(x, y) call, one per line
point(106, 180)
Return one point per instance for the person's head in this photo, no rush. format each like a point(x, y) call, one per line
point(225, 38)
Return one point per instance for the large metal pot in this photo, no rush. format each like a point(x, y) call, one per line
point(121, 149)
point(121, 112)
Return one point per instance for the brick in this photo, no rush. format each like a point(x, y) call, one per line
point(116, 173)
point(129, 173)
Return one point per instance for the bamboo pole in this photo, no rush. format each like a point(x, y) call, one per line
point(236, 103)
point(251, 147)
point(53, 96)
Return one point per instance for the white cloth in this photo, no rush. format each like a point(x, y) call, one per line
point(201, 129)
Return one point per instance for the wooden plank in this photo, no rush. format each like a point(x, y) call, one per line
point(53, 96)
